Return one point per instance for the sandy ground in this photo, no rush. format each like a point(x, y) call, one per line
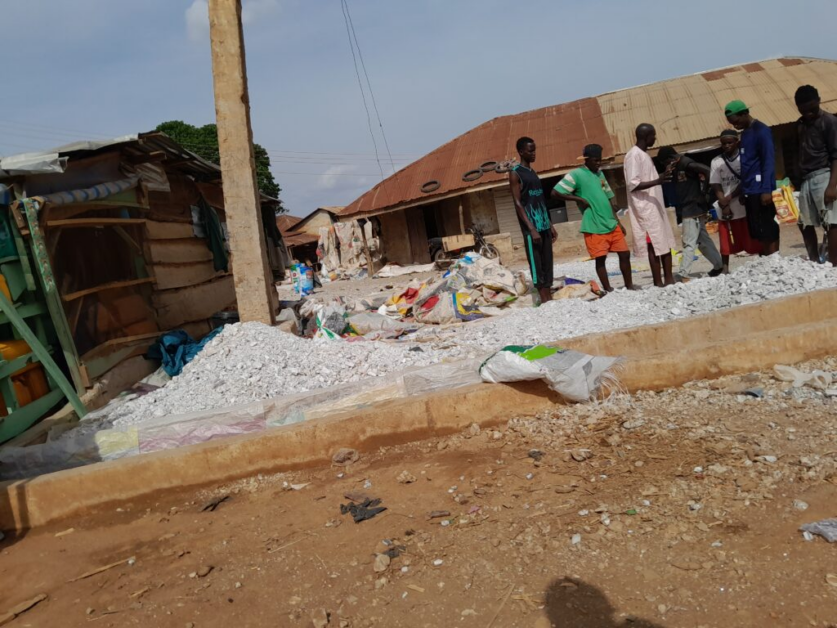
point(679, 508)
point(791, 244)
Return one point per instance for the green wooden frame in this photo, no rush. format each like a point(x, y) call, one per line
point(19, 418)
point(53, 298)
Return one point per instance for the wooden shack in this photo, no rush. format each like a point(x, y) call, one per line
point(128, 238)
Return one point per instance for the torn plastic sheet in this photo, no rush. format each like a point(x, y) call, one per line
point(86, 445)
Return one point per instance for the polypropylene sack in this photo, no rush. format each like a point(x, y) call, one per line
point(575, 376)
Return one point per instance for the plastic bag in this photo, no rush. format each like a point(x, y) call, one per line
point(306, 280)
point(332, 320)
point(575, 376)
point(817, 379)
point(577, 291)
point(786, 210)
point(827, 529)
point(369, 322)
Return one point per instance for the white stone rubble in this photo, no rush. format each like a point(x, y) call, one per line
point(250, 362)
point(759, 280)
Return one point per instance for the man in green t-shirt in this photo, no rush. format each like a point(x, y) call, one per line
point(603, 233)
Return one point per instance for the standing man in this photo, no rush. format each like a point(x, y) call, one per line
point(652, 235)
point(691, 195)
point(758, 175)
point(530, 204)
point(818, 165)
point(603, 233)
point(725, 179)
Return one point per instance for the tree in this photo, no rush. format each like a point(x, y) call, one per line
point(203, 141)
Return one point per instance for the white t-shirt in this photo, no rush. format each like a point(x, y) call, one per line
point(720, 173)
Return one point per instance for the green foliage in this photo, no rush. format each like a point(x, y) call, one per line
point(203, 141)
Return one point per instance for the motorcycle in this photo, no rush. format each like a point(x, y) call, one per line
point(451, 247)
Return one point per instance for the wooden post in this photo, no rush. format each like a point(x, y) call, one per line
point(254, 291)
point(461, 217)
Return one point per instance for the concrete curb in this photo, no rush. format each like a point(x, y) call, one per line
point(742, 339)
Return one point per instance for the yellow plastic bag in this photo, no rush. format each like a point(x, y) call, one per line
point(786, 210)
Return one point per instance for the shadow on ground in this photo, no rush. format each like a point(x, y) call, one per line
point(573, 603)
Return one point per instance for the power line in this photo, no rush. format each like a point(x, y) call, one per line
point(369, 85)
point(302, 158)
point(327, 174)
point(285, 155)
point(345, 8)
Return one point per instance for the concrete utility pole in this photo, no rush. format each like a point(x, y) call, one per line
point(254, 289)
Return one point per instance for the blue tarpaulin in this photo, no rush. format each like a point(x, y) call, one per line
point(177, 348)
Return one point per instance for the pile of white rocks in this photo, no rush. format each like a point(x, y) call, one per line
point(251, 361)
point(758, 280)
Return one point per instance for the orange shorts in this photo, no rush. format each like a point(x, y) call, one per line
point(600, 244)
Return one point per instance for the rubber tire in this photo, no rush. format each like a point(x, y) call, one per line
point(488, 166)
point(439, 255)
point(489, 251)
point(430, 186)
point(472, 175)
point(501, 169)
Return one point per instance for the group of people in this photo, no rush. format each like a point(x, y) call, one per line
point(741, 179)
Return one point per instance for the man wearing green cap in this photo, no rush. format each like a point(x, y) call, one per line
point(758, 175)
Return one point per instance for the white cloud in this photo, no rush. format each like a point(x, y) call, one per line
point(197, 16)
point(333, 176)
point(253, 10)
point(197, 20)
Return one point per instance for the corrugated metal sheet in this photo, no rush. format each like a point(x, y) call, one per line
point(140, 145)
point(684, 110)
point(286, 222)
point(298, 239)
point(689, 109)
point(560, 132)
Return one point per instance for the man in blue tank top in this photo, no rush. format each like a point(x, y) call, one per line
point(533, 216)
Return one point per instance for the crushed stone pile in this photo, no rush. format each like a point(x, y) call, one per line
point(759, 280)
point(249, 362)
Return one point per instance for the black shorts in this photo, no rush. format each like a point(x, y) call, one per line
point(539, 255)
point(761, 219)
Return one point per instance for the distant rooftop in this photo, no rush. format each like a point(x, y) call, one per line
point(684, 110)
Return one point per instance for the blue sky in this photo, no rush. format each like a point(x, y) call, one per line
point(100, 68)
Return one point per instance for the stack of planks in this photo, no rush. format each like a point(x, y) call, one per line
point(188, 288)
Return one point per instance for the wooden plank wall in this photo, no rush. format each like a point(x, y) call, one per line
point(418, 235)
point(195, 303)
point(188, 288)
point(396, 241)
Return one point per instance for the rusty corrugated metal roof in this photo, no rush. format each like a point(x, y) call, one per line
point(286, 222)
point(684, 110)
point(298, 239)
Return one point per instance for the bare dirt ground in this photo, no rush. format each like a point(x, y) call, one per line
point(678, 508)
